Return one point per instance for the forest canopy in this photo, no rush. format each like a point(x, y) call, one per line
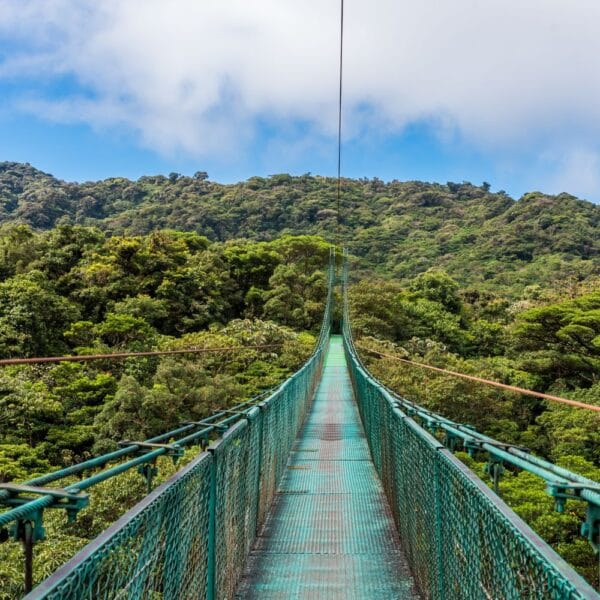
point(396, 228)
point(71, 290)
point(451, 275)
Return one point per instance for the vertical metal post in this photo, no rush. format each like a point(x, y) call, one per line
point(27, 533)
point(212, 517)
point(496, 475)
point(260, 499)
point(149, 474)
point(438, 529)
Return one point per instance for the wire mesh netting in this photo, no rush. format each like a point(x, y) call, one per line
point(191, 536)
point(155, 549)
point(237, 479)
point(461, 540)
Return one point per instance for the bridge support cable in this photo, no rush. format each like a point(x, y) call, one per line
point(159, 547)
point(4, 362)
point(489, 382)
point(339, 140)
point(460, 538)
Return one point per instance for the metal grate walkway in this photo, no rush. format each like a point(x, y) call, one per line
point(330, 533)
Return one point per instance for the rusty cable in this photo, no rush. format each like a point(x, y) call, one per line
point(504, 386)
point(118, 355)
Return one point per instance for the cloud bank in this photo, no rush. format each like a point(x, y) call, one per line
point(510, 77)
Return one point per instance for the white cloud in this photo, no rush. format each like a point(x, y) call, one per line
point(577, 169)
point(197, 76)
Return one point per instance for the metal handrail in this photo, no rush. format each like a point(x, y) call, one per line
point(27, 514)
point(561, 483)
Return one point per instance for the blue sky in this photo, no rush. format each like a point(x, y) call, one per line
point(75, 152)
point(505, 92)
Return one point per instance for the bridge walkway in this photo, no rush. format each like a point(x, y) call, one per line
point(330, 532)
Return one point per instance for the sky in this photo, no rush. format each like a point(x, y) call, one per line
point(503, 91)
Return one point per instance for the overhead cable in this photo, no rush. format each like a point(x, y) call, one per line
point(504, 386)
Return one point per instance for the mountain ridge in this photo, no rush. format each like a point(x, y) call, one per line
point(397, 228)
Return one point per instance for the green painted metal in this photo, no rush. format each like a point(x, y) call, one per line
point(210, 573)
point(461, 540)
point(325, 518)
point(24, 510)
point(561, 483)
point(191, 536)
point(330, 533)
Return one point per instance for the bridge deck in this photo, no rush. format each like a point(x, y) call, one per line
point(330, 533)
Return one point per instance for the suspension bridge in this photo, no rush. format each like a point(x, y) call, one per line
point(330, 486)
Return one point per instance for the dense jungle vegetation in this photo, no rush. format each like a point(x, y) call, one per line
point(72, 290)
point(547, 340)
point(397, 228)
point(452, 275)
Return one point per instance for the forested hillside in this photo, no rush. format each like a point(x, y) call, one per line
point(397, 228)
point(452, 275)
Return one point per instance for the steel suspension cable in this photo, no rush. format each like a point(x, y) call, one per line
point(120, 355)
point(504, 386)
point(339, 156)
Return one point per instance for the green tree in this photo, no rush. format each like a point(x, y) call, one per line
point(559, 341)
point(33, 316)
point(436, 285)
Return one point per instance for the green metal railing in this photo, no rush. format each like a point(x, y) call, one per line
point(461, 540)
point(189, 537)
